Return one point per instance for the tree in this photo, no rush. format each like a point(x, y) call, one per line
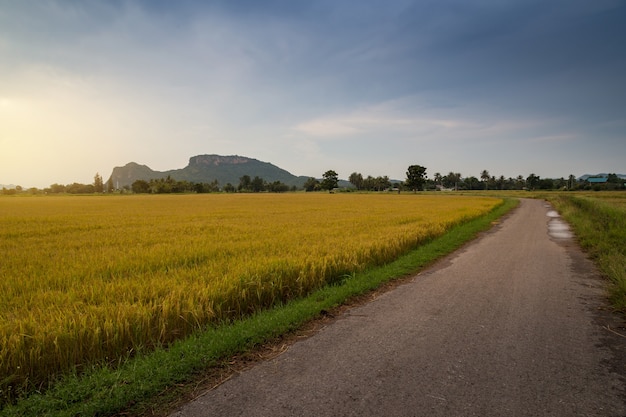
point(501, 182)
point(110, 187)
point(452, 180)
point(614, 182)
point(277, 187)
point(357, 180)
point(330, 181)
point(438, 179)
point(98, 184)
point(56, 188)
point(571, 182)
point(311, 184)
point(245, 183)
point(78, 188)
point(415, 177)
point(484, 176)
point(257, 185)
point(532, 181)
point(383, 183)
point(140, 187)
point(205, 187)
point(472, 183)
point(613, 178)
point(546, 184)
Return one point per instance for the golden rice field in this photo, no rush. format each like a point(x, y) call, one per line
point(93, 279)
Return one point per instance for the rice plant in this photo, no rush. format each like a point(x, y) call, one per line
point(86, 280)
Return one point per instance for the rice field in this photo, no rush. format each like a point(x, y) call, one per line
point(92, 279)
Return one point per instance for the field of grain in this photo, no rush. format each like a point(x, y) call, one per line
point(94, 279)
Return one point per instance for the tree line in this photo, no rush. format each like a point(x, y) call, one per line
point(246, 185)
point(416, 180)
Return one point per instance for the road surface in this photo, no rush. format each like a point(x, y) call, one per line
point(514, 324)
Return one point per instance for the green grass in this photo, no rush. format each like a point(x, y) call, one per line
point(599, 222)
point(137, 383)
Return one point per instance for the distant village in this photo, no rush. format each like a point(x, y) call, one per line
point(356, 182)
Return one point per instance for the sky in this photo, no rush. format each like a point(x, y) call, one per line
point(513, 87)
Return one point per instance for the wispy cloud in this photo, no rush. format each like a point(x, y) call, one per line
point(459, 85)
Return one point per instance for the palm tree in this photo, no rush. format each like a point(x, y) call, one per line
point(438, 178)
point(485, 177)
point(571, 182)
point(453, 179)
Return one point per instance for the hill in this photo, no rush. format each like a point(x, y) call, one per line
point(206, 169)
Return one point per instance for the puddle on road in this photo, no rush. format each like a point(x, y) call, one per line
point(557, 228)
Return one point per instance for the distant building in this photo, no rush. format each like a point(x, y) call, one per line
point(597, 180)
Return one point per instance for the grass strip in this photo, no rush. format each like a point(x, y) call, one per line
point(136, 383)
point(601, 231)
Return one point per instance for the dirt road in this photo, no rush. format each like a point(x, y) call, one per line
point(515, 324)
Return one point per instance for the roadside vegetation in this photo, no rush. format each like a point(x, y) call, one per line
point(89, 282)
point(599, 222)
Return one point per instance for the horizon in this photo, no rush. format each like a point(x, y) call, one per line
point(428, 175)
point(371, 87)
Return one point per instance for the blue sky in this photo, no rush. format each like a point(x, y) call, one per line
point(513, 87)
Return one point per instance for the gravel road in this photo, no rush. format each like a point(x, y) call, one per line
point(514, 324)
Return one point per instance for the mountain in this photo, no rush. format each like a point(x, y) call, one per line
point(206, 169)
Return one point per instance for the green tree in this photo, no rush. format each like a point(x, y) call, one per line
point(98, 184)
point(376, 184)
point(257, 185)
point(415, 177)
point(330, 180)
point(571, 182)
point(368, 183)
point(311, 184)
point(277, 187)
point(56, 188)
point(110, 187)
point(484, 176)
point(501, 181)
point(245, 183)
point(614, 182)
point(546, 184)
point(383, 183)
point(452, 180)
point(532, 181)
point(356, 179)
point(140, 187)
point(472, 183)
point(438, 179)
point(78, 188)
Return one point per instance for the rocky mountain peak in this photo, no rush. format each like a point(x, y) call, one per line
point(217, 160)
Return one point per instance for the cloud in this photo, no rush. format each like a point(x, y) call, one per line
point(306, 85)
point(413, 117)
